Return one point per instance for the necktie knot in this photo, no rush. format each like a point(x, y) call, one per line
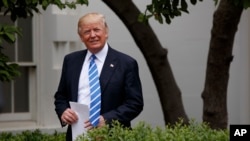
point(92, 60)
point(93, 57)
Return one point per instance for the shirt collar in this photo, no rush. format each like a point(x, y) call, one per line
point(101, 55)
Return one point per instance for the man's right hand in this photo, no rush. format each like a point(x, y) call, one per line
point(69, 116)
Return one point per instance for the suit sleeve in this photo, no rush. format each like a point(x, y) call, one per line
point(61, 99)
point(131, 91)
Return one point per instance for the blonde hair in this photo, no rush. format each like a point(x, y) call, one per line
point(90, 17)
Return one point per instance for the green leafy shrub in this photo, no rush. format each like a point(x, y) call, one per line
point(8, 71)
point(36, 135)
point(140, 132)
point(144, 132)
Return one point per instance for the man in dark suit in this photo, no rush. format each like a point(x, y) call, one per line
point(121, 92)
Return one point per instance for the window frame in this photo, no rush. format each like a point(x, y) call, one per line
point(32, 84)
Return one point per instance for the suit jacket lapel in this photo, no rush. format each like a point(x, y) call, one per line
point(109, 66)
point(108, 69)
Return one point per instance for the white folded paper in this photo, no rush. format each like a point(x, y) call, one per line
point(82, 112)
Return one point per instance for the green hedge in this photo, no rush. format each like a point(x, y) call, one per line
point(36, 135)
point(140, 132)
point(143, 132)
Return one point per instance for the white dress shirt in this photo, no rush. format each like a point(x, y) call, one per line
point(83, 87)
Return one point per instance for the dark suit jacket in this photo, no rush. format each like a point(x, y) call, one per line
point(121, 91)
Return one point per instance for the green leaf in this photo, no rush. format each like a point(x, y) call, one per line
point(141, 17)
point(150, 8)
point(44, 4)
point(216, 2)
point(177, 13)
point(167, 20)
point(184, 5)
point(159, 18)
point(175, 3)
point(84, 2)
point(5, 3)
point(246, 4)
point(193, 1)
point(7, 71)
point(11, 37)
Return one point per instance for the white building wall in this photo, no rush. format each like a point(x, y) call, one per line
point(238, 91)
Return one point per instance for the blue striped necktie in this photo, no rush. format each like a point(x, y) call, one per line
point(95, 92)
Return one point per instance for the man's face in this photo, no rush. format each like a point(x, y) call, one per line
point(93, 34)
